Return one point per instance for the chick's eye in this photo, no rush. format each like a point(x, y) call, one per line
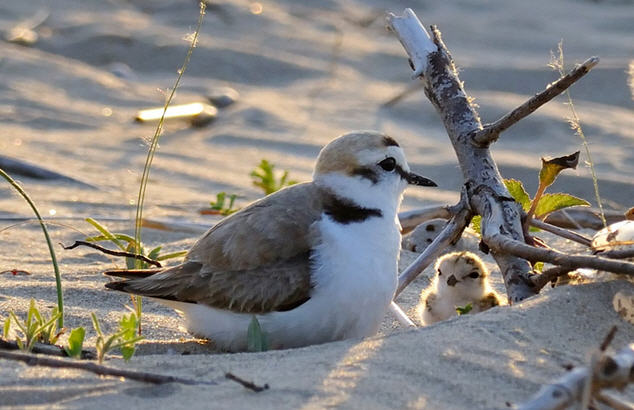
point(474, 275)
point(388, 164)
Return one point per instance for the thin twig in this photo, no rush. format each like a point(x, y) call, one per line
point(247, 384)
point(618, 253)
point(449, 234)
point(608, 339)
point(491, 132)
point(539, 281)
point(113, 253)
point(401, 316)
point(36, 360)
point(47, 349)
point(504, 244)
point(564, 233)
point(612, 401)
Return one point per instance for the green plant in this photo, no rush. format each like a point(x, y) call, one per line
point(124, 339)
point(463, 310)
point(58, 278)
point(542, 204)
point(256, 339)
point(264, 177)
point(221, 207)
point(75, 342)
point(36, 328)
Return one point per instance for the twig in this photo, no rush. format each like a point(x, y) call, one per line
point(614, 402)
point(449, 235)
point(539, 281)
point(247, 384)
point(114, 253)
point(491, 132)
point(503, 244)
point(582, 217)
point(618, 253)
point(47, 349)
point(409, 220)
point(564, 233)
point(613, 371)
point(608, 339)
point(401, 316)
point(36, 360)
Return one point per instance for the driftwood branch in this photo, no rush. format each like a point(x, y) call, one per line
point(113, 253)
point(610, 371)
point(564, 233)
point(487, 194)
point(549, 275)
point(411, 219)
point(450, 234)
point(499, 243)
point(36, 360)
point(47, 349)
point(491, 132)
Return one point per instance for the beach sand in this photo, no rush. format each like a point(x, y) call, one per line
point(306, 72)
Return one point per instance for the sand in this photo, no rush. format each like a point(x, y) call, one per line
point(306, 72)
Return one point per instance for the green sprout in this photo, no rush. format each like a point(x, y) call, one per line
point(264, 177)
point(36, 328)
point(256, 339)
point(463, 310)
point(221, 207)
point(124, 339)
point(75, 343)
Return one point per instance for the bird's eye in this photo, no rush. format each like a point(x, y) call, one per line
point(388, 164)
point(439, 272)
point(474, 275)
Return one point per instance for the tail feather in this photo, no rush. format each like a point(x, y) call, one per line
point(132, 273)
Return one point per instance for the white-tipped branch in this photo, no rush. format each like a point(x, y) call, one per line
point(612, 371)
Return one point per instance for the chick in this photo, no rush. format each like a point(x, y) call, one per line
point(461, 280)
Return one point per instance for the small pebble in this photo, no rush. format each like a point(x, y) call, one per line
point(223, 97)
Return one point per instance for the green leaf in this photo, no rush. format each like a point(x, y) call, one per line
point(538, 267)
point(7, 328)
point(105, 232)
point(463, 310)
point(517, 191)
point(552, 167)
point(154, 253)
point(128, 326)
point(476, 224)
point(256, 339)
point(171, 255)
point(95, 324)
point(75, 342)
point(127, 352)
point(552, 202)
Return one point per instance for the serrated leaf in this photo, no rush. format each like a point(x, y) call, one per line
point(552, 202)
point(256, 339)
point(552, 167)
point(517, 191)
point(75, 342)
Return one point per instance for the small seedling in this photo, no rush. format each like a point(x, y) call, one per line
point(75, 343)
point(256, 339)
point(35, 328)
point(463, 310)
point(124, 338)
point(221, 207)
point(264, 177)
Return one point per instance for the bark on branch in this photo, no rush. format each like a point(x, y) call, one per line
point(486, 192)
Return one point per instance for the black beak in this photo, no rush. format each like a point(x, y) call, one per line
point(451, 281)
point(415, 179)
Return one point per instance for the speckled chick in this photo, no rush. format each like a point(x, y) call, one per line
point(461, 279)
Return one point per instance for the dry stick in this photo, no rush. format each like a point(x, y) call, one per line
point(247, 384)
point(113, 253)
point(487, 193)
point(618, 253)
point(539, 281)
point(47, 349)
point(411, 219)
point(36, 360)
point(500, 243)
point(613, 402)
point(450, 234)
point(491, 132)
point(564, 233)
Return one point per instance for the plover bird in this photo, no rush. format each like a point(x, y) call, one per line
point(461, 280)
point(314, 262)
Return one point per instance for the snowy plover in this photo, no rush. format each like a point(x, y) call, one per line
point(314, 262)
point(461, 280)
